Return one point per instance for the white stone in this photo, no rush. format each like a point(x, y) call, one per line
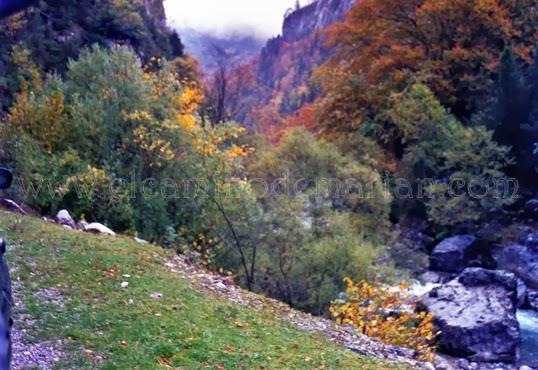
point(98, 228)
point(64, 218)
point(125, 284)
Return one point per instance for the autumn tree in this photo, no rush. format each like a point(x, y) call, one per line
point(387, 313)
point(453, 46)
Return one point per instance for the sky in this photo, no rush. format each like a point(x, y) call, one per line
point(264, 17)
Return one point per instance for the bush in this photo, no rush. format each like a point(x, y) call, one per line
point(324, 219)
point(387, 314)
point(95, 136)
point(438, 149)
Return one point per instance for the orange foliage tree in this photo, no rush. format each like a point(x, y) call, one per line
point(453, 46)
point(385, 314)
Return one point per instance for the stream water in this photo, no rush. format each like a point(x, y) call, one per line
point(528, 323)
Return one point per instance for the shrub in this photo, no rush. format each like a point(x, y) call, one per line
point(110, 123)
point(439, 148)
point(386, 314)
point(323, 220)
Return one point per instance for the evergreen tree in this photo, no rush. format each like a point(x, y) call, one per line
point(510, 113)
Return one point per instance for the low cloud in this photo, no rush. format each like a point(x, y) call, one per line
point(220, 17)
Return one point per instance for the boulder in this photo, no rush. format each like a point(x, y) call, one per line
point(451, 254)
point(531, 239)
point(532, 207)
point(430, 277)
point(476, 314)
point(98, 228)
point(532, 299)
point(521, 293)
point(64, 218)
point(81, 225)
point(522, 260)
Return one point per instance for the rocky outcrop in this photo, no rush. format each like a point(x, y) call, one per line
point(316, 16)
point(155, 10)
point(520, 259)
point(451, 254)
point(282, 71)
point(476, 314)
point(300, 29)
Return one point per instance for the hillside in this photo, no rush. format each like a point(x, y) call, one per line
point(284, 67)
point(48, 35)
point(71, 306)
point(207, 48)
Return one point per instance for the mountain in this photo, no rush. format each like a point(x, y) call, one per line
point(55, 31)
point(208, 48)
point(283, 69)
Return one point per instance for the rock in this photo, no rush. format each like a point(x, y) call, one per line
point(98, 228)
point(429, 366)
point(532, 299)
point(124, 284)
point(430, 277)
point(532, 207)
point(530, 240)
point(156, 295)
point(451, 254)
point(522, 260)
point(141, 241)
point(12, 206)
point(521, 293)
point(81, 225)
point(64, 218)
point(476, 314)
point(490, 232)
point(462, 363)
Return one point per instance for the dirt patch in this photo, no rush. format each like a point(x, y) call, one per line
point(43, 355)
point(51, 295)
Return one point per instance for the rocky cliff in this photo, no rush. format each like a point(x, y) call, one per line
point(155, 10)
point(316, 16)
point(285, 65)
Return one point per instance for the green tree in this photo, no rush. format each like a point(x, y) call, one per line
point(511, 113)
point(438, 147)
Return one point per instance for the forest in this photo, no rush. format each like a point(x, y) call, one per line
point(305, 174)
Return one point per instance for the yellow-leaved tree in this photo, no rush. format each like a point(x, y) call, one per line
point(388, 314)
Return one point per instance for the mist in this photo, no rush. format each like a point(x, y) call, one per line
point(256, 17)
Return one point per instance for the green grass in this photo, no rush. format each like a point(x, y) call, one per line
point(185, 329)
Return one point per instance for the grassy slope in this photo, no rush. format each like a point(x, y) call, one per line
point(185, 329)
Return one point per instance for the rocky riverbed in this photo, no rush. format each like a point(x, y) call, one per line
point(485, 298)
